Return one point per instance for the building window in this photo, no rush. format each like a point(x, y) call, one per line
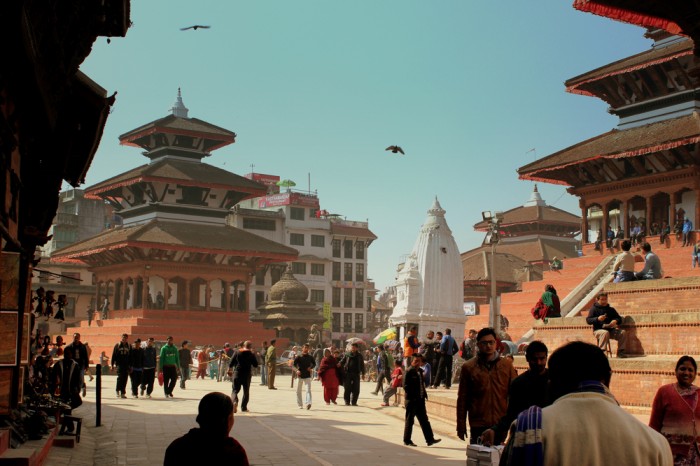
point(275, 275)
point(259, 298)
point(193, 195)
point(259, 224)
point(318, 269)
point(317, 296)
point(336, 271)
point(296, 239)
point(336, 322)
point(336, 297)
point(359, 272)
point(318, 241)
point(347, 297)
point(347, 322)
point(260, 277)
point(299, 268)
point(296, 213)
point(359, 298)
point(347, 244)
point(347, 275)
point(313, 212)
point(359, 250)
point(336, 247)
point(359, 322)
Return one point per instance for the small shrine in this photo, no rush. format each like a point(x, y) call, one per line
point(288, 311)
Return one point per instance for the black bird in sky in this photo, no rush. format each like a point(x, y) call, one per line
point(395, 149)
point(195, 27)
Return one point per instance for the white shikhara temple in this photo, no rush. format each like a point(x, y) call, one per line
point(429, 286)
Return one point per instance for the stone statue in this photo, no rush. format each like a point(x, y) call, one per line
point(314, 337)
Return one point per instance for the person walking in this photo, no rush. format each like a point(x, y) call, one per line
point(271, 363)
point(80, 356)
point(353, 368)
point(448, 347)
point(415, 395)
point(304, 364)
point(263, 366)
point(185, 356)
point(240, 370)
point(136, 363)
point(328, 373)
point(150, 359)
point(675, 413)
point(120, 359)
point(383, 370)
point(168, 365)
point(202, 360)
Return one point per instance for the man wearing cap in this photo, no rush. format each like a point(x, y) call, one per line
point(168, 364)
point(185, 361)
point(271, 363)
point(136, 363)
point(150, 359)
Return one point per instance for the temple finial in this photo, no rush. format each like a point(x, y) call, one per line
point(179, 109)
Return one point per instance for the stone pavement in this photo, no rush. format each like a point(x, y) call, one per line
point(275, 432)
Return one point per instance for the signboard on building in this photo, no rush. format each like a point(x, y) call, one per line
point(327, 315)
point(267, 180)
point(282, 199)
point(470, 309)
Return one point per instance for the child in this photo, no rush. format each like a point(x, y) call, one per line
point(396, 382)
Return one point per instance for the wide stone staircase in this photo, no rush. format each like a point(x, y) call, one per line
point(199, 327)
point(661, 317)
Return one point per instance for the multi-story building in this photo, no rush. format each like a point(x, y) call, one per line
point(332, 260)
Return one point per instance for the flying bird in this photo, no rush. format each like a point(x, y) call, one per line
point(395, 149)
point(195, 27)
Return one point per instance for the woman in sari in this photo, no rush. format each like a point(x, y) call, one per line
point(328, 373)
point(675, 413)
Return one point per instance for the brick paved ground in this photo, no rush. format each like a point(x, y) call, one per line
point(137, 431)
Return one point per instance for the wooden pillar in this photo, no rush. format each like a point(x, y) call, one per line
point(186, 304)
point(207, 296)
point(226, 306)
point(144, 292)
point(674, 212)
point(166, 293)
point(606, 220)
point(235, 297)
point(647, 226)
point(624, 221)
point(584, 221)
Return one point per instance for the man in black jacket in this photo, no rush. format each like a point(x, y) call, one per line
point(241, 370)
point(607, 324)
point(150, 360)
point(120, 359)
point(353, 366)
point(185, 362)
point(80, 356)
point(136, 363)
point(415, 394)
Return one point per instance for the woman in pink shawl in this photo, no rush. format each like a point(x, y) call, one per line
point(328, 373)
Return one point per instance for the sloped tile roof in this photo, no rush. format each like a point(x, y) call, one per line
point(222, 239)
point(345, 230)
point(179, 171)
point(631, 142)
point(476, 266)
point(534, 250)
point(178, 123)
point(530, 214)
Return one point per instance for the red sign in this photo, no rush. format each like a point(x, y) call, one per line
point(267, 180)
point(276, 200)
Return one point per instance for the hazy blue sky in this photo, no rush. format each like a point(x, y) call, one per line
point(322, 87)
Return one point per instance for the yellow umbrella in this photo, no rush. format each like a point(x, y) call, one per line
point(388, 334)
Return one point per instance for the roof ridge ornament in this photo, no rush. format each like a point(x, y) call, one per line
point(535, 199)
point(178, 109)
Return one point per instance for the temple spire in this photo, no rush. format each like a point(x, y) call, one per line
point(535, 199)
point(179, 109)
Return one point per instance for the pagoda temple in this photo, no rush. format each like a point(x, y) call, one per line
point(645, 170)
point(175, 267)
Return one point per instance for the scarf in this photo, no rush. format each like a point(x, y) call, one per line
point(527, 448)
